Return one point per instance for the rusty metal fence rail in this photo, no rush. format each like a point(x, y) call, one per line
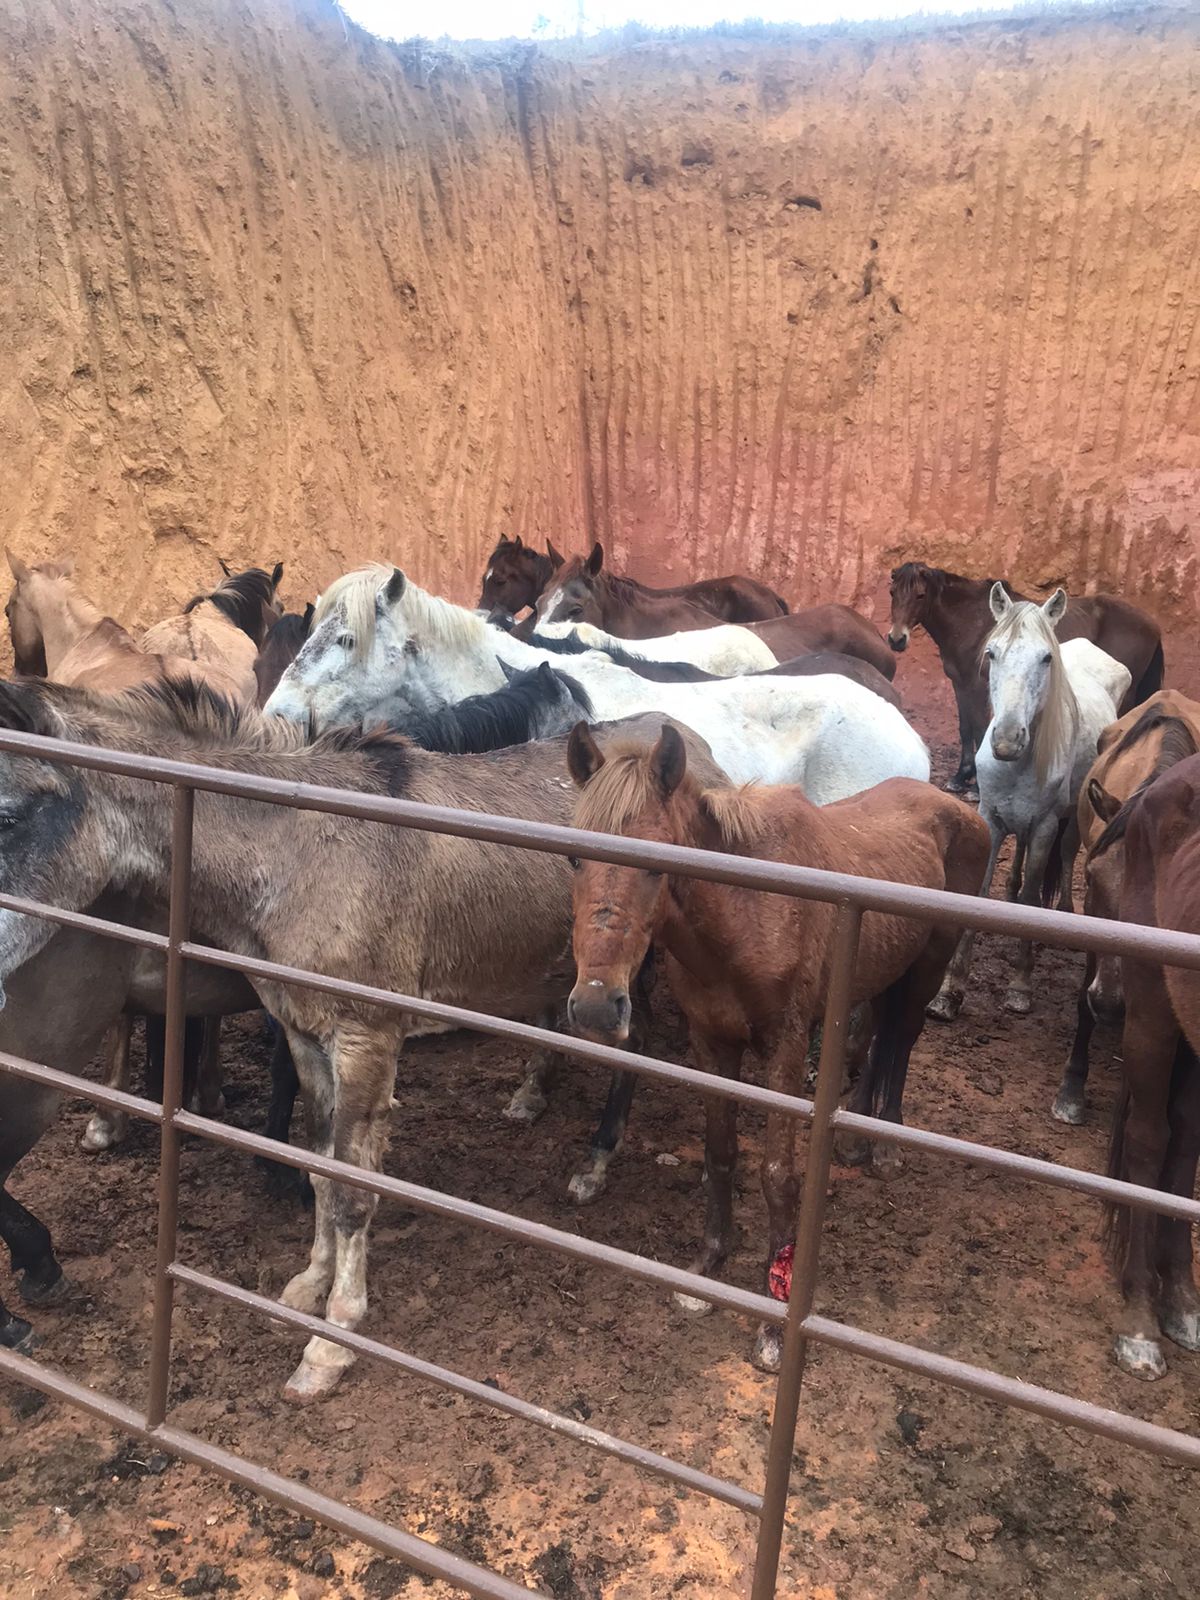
point(853, 896)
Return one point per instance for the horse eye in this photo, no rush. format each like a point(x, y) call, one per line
point(1047, 659)
point(346, 641)
point(574, 860)
point(8, 820)
point(990, 653)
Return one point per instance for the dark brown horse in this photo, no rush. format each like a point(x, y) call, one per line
point(752, 969)
point(279, 649)
point(1156, 1125)
point(955, 613)
point(584, 590)
point(516, 574)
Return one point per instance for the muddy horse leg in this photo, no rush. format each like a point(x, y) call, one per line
point(784, 1060)
point(722, 1058)
point(209, 1100)
point(1019, 998)
point(968, 740)
point(364, 1075)
point(947, 1003)
point(591, 1180)
point(283, 1182)
point(107, 1128)
point(308, 1289)
point(533, 1096)
point(1179, 1303)
point(1070, 1101)
point(26, 1111)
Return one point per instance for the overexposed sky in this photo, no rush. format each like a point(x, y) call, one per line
point(556, 19)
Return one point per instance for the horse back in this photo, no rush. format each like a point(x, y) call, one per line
point(1126, 632)
point(832, 628)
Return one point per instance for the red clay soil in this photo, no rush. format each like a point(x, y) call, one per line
point(900, 1488)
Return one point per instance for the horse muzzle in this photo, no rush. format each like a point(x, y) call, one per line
point(599, 1010)
point(898, 641)
point(1009, 746)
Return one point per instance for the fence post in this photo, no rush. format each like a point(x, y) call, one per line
point(178, 928)
point(808, 1249)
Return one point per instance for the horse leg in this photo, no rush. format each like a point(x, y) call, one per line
point(947, 1003)
point(26, 1111)
point(1069, 1102)
point(532, 1098)
point(965, 776)
point(1019, 998)
point(586, 1184)
point(210, 1101)
point(1179, 1303)
point(364, 1068)
point(1016, 871)
point(283, 1181)
point(43, 1282)
point(308, 1289)
point(1068, 844)
point(105, 1127)
point(723, 1058)
point(784, 1058)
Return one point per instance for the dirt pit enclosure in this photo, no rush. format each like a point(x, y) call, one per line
point(795, 303)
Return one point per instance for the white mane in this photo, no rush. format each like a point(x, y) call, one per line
point(353, 596)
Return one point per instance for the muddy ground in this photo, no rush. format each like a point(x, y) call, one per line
point(900, 1488)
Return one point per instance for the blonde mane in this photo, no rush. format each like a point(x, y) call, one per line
point(1058, 723)
point(623, 788)
point(353, 597)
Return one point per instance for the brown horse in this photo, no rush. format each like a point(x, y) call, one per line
point(752, 969)
point(584, 590)
point(1156, 1125)
point(516, 574)
point(1145, 742)
point(223, 629)
point(279, 649)
point(957, 616)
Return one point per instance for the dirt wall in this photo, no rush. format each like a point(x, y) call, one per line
point(796, 304)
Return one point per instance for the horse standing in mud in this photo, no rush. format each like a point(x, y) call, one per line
point(957, 615)
point(751, 969)
point(1050, 705)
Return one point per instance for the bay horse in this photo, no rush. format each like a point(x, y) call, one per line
point(750, 969)
point(956, 614)
point(224, 628)
point(1156, 1124)
point(1050, 704)
point(515, 575)
point(1145, 742)
point(278, 650)
point(379, 638)
point(584, 590)
point(454, 920)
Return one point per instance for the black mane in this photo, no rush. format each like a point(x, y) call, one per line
point(241, 598)
point(492, 721)
point(656, 671)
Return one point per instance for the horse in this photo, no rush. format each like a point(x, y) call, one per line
point(1050, 704)
point(224, 628)
point(537, 704)
point(378, 637)
point(454, 920)
point(58, 633)
point(749, 968)
point(814, 666)
point(955, 613)
point(1145, 742)
point(584, 590)
point(278, 650)
point(1156, 1123)
point(516, 574)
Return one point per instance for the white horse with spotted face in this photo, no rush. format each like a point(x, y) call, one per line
point(1050, 703)
point(376, 637)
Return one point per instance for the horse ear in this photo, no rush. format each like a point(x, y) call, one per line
point(277, 575)
point(18, 568)
point(1055, 607)
point(517, 545)
point(668, 761)
point(395, 586)
point(554, 555)
point(308, 616)
point(596, 560)
point(584, 755)
point(509, 672)
point(224, 566)
point(1102, 803)
point(1000, 603)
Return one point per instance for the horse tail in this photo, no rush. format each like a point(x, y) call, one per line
point(1151, 681)
point(1115, 1231)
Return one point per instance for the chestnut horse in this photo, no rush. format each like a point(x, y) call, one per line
point(583, 590)
point(955, 613)
point(749, 968)
point(1145, 742)
point(516, 574)
point(1156, 1125)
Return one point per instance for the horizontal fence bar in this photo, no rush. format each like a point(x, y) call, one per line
point(439, 1204)
point(1118, 1425)
point(421, 1554)
point(1063, 928)
point(567, 1427)
point(600, 1055)
point(81, 1088)
point(1096, 1184)
point(124, 932)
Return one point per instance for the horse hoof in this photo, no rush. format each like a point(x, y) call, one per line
point(1182, 1328)
point(525, 1106)
point(1019, 1002)
point(584, 1187)
point(693, 1307)
point(18, 1335)
point(49, 1294)
point(768, 1349)
point(851, 1152)
point(1068, 1108)
point(310, 1382)
point(1140, 1358)
point(98, 1136)
point(946, 1005)
point(886, 1161)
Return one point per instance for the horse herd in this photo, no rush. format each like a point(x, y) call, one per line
point(708, 715)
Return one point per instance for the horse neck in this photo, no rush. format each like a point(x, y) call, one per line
point(958, 617)
point(65, 617)
point(448, 673)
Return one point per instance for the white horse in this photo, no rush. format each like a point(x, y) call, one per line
point(376, 637)
point(725, 649)
point(1050, 703)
